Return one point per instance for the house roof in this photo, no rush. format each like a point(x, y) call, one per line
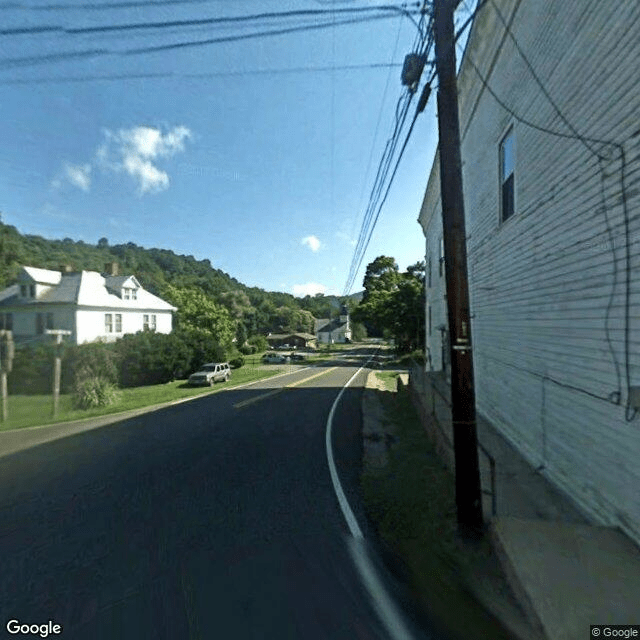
point(282, 336)
point(88, 289)
point(332, 326)
point(41, 276)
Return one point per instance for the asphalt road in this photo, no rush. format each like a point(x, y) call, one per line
point(215, 518)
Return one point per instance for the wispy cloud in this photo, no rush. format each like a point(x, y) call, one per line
point(312, 242)
point(308, 289)
point(79, 175)
point(136, 151)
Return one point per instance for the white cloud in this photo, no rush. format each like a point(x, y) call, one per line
point(135, 151)
point(312, 242)
point(79, 175)
point(309, 289)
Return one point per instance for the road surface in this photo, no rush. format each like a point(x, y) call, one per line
point(215, 518)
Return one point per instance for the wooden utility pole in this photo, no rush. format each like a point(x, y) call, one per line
point(6, 363)
point(465, 438)
point(57, 368)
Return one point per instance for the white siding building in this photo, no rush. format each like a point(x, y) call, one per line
point(550, 125)
point(90, 305)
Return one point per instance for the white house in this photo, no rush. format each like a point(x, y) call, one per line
point(334, 331)
point(549, 118)
point(91, 305)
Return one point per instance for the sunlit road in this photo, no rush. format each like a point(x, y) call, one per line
point(215, 518)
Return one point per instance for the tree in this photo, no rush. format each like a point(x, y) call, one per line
point(196, 311)
point(393, 303)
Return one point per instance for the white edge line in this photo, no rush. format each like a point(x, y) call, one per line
point(385, 607)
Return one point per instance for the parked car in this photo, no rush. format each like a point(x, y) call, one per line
point(274, 358)
point(210, 373)
point(298, 357)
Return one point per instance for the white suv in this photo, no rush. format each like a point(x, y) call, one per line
point(210, 373)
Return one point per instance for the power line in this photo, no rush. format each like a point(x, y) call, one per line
point(194, 76)
point(375, 204)
point(101, 52)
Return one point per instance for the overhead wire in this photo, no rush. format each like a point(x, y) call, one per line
point(378, 194)
point(195, 76)
point(62, 56)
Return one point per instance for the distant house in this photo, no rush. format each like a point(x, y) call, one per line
point(297, 340)
point(334, 331)
point(92, 306)
point(550, 141)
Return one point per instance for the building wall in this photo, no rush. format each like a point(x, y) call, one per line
point(555, 296)
point(25, 320)
point(91, 323)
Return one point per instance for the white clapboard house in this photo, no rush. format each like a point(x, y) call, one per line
point(549, 104)
point(92, 306)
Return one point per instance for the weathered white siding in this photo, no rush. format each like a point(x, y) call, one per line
point(91, 323)
point(555, 290)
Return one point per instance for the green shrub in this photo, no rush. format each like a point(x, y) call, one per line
point(94, 391)
point(152, 358)
point(248, 349)
point(259, 342)
point(236, 361)
point(32, 371)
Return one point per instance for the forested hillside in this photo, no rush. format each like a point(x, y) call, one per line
point(177, 278)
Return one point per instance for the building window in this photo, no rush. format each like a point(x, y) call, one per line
point(6, 321)
point(507, 175)
point(134, 294)
point(49, 320)
point(441, 259)
point(126, 293)
point(32, 290)
point(23, 290)
point(149, 322)
point(40, 320)
point(118, 323)
point(108, 323)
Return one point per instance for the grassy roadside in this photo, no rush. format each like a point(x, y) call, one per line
point(411, 503)
point(29, 411)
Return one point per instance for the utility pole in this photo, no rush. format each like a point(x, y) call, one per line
point(463, 410)
point(6, 363)
point(58, 333)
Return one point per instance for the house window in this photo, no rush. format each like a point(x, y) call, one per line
point(149, 322)
point(118, 323)
point(108, 323)
point(507, 175)
point(49, 320)
point(441, 259)
point(126, 294)
point(40, 320)
point(6, 321)
point(32, 290)
point(23, 290)
point(134, 294)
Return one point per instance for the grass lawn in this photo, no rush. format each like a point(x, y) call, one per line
point(411, 502)
point(30, 411)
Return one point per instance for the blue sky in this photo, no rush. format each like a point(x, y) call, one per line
point(243, 153)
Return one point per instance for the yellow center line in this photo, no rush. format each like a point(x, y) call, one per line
point(263, 396)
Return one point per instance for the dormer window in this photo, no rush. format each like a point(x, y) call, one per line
point(129, 294)
point(28, 290)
